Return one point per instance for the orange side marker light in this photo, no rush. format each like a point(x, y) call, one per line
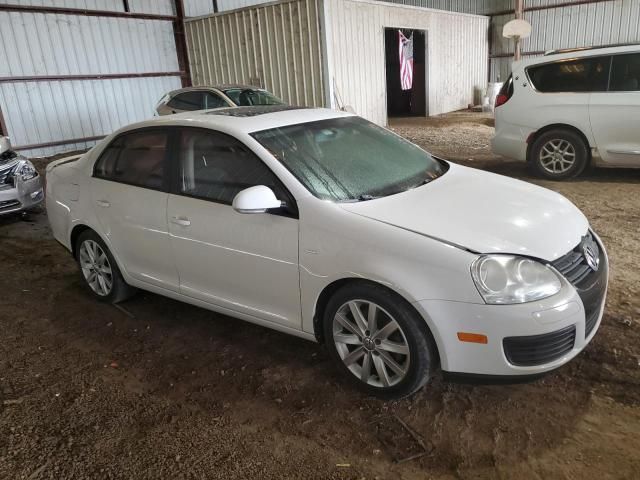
point(472, 337)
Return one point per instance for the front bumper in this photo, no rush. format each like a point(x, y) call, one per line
point(541, 329)
point(23, 196)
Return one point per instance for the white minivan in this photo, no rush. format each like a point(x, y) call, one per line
point(572, 108)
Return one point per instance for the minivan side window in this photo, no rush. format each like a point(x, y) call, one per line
point(216, 167)
point(625, 73)
point(187, 101)
point(135, 158)
point(590, 74)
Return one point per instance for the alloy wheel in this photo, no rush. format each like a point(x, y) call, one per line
point(371, 343)
point(557, 156)
point(96, 268)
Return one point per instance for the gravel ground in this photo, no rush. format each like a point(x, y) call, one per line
point(160, 389)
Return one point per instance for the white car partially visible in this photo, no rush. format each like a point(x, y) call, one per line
point(323, 225)
point(572, 108)
point(21, 186)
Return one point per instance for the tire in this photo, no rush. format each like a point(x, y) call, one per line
point(410, 372)
point(88, 245)
point(559, 155)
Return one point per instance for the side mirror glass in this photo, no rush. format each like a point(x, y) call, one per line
point(256, 199)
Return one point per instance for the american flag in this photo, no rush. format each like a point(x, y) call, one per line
point(406, 61)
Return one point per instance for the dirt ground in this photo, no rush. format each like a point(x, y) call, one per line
point(160, 389)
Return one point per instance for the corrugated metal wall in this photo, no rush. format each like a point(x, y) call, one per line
point(196, 8)
point(480, 7)
point(158, 7)
point(580, 25)
point(275, 46)
point(45, 44)
point(457, 49)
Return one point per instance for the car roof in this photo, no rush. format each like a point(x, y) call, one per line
point(572, 53)
point(223, 87)
point(243, 120)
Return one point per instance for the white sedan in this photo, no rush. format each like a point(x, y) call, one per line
point(323, 225)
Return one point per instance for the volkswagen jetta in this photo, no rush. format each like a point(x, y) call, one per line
point(323, 225)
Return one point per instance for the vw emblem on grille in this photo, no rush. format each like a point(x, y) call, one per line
point(590, 252)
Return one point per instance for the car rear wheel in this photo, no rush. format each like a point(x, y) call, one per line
point(378, 340)
point(559, 155)
point(99, 269)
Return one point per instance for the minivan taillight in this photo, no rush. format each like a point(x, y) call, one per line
point(506, 92)
point(501, 100)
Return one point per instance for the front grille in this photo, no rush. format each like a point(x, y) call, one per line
point(539, 349)
point(9, 205)
point(589, 283)
point(574, 264)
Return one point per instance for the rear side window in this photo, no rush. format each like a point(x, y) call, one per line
point(187, 101)
point(136, 159)
point(583, 75)
point(625, 73)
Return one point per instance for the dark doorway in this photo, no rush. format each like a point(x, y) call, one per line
point(402, 103)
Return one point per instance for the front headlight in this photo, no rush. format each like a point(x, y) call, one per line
point(27, 171)
point(508, 279)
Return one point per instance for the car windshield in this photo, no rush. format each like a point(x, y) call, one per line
point(350, 159)
point(246, 97)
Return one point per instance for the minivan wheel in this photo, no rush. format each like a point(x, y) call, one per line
point(559, 155)
point(99, 269)
point(378, 341)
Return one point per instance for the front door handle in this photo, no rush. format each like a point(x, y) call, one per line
point(182, 221)
point(103, 203)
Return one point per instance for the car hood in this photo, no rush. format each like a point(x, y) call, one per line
point(483, 212)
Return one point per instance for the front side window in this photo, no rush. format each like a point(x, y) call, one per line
point(187, 101)
point(136, 158)
point(215, 166)
point(625, 73)
point(350, 159)
point(246, 97)
point(589, 74)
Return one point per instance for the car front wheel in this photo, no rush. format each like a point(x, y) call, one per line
point(378, 340)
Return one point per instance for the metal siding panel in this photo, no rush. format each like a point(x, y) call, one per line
point(456, 54)
point(110, 5)
point(196, 8)
point(277, 46)
point(36, 44)
point(226, 5)
point(52, 44)
point(50, 111)
point(156, 7)
point(481, 7)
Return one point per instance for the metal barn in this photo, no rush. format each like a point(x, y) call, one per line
point(336, 53)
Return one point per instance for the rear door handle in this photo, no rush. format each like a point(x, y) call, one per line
point(182, 221)
point(103, 203)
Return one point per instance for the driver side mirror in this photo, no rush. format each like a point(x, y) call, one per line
point(256, 199)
